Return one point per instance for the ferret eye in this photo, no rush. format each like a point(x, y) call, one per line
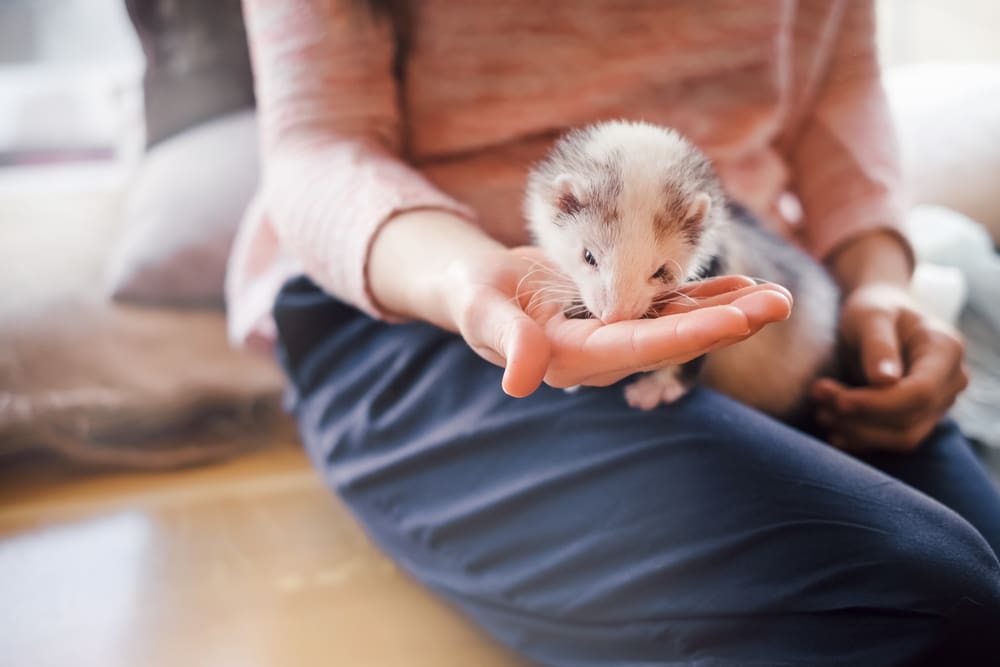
point(662, 273)
point(588, 257)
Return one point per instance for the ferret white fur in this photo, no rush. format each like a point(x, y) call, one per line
point(630, 211)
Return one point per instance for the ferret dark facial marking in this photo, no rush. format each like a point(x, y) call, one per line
point(566, 197)
point(609, 185)
point(675, 222)
point(691, 230)
point(696, 217)
point(569, 204)
point(674, 218)
point(664, 275)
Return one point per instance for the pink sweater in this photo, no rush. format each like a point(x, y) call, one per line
point(783, 95)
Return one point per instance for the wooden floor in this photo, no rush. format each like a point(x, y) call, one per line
point(244, 564)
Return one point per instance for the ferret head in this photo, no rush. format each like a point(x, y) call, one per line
point(628, 211)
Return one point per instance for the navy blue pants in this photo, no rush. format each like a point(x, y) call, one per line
point(579, 531)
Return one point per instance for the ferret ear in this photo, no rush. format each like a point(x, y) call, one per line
point(698, 210)
point(567, 194)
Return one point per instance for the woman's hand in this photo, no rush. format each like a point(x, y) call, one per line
point(911, 362)
point(499, 304)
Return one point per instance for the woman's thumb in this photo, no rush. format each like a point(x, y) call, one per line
point(879, 344)
point(526, 351)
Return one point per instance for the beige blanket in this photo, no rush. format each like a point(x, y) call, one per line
point(105, 383)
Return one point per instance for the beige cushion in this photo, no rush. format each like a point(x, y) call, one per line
point(106, 383)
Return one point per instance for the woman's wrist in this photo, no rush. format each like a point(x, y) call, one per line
point(880, 256)
point(411, 263)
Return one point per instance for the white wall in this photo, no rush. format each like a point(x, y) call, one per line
point(67, 32)
point(70, 78)
point(925, 30)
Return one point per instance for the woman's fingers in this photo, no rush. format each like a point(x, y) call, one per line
point(765, 306)
point(934, 378)
point(610, 377)
point(569, 352)
point(689, 302)
point(715, 286)
point(500, 332)
point(895, 407)
point(861, 437)
point(878, 344)
point(604, 354)
point(526, 350)
point(674, 338)
point(588, 353)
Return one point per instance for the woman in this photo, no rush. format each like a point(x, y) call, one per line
point(396, 137)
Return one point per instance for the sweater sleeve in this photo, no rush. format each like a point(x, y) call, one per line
point(331, 137)
point(845, 161)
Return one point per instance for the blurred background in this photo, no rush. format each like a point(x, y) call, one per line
point(127, 158)
point(70, 84)
point(71, 75)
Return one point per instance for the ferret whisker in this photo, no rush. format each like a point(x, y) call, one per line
point(557, 286)
point(548, 297)
point(529, 274)
point(552, 274)
point(557, 296)
point(548, 302)
point(577, 314)
point(686, 298)
point(551, 294)
point(679, 272)
point(575, 308)
point(674, 296)
point(651, 314)
point(565, 286)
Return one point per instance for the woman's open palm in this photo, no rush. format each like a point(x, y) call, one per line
point(501, 307)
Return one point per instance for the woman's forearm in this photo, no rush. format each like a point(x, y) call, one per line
point(411, 257)
point(879, 256)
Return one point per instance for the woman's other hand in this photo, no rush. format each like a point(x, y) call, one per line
point(912, 364)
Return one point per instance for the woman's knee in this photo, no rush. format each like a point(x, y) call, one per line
point(935, 572)
point(950, 563)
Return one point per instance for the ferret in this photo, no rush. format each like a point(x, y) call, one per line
point(631, 211)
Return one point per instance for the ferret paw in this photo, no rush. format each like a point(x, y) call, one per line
point(651, 390)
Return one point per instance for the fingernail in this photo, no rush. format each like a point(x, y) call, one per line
point(888, 368)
